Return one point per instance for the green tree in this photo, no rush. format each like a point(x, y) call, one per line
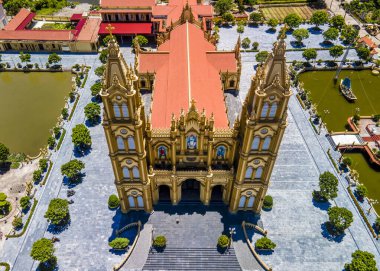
point(347, 161)
point(4, 204)
point(100, 70)
point(58, 211)
point(56, 132)
point(42, 250)
point(107, 39)
point(272, 22)
point(43, 163)
point(261, 56)
point(17, 222)
point(240, 29)
point(223, 241)
point(24, 57)
point(72, 169)
point(4, 153)
point(25, 202)
point(103, 56)
point(140, 40)
point(54, 58)
point(328, 185)
point(255, 45)
point(265, 243)
point(81, 137)
point(309, 54)
point(37, 174)
point(256, 17)
point(65, 113)
point(331, 34)
point(228, 17)
point(363, 53)
point(95, 88)
point(51, 142)
point(361, 261)
point(159, 241)
point(245, 43)
point(223, 6)
point(293, 20)
point(340, 218)
point(361, 191)
point(268, 202)
point(300, 34)
point(113, 201)
point(349, 34)
point(119, 243)
point(319, 17)
point(336, 51)
point(13, 6)
point(337, 21)
point(92, 112)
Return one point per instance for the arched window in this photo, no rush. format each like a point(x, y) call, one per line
point(140, 202)
point(116, 110)
point(120, 143)
point(264, 111)
point(259, 172)
point(131, 143)
point(131, 201)
point(248, 173)
point(162, 152)
point(273, 110)
point(136, 173)
point(221, 152)
point(242, 202)
point(251, 201)
point(124, 109)
point(255, 143)
point(126, 172)
point(266, 143)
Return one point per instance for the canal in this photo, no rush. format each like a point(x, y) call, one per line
point(30, 104)
point(325, 94)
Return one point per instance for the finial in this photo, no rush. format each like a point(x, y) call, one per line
point(192, 104)
point(110, 28)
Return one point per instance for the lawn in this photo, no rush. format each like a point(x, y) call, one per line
point(280, 13)
point(57, 26)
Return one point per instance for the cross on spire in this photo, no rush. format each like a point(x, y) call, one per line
point(110, 28)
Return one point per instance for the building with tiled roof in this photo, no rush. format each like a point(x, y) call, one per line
point(168, 126)
point(369, 43)
point(18, 35)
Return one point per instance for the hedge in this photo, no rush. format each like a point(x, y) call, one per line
point(47, 173)
point(61, 139)
point(26, 223)
point(85, 79)
point(73, 109)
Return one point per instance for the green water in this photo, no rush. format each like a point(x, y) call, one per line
point(326, 95)
point(368, 175)
point(30, 104)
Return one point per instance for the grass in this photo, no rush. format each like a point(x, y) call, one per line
point(48, 172)
point(6, 265)
point(73, 110)
point(280, 13)
point(57, 26)
point(61, 139)
point(26, 223)
point(47, 11)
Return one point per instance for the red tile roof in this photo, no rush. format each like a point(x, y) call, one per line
point(21, 20)
point(50, 35)
point(369, 42)
point(89, 31)
point(76, 17)
point(187, 68)
point(126, 28)
point(126, 3)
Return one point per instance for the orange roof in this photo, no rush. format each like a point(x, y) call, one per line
point(18, 19)
point(186, 68)
point(90, 29)
point(126, 3)
point(51, 35)
point(369, 42)
point(121, 11)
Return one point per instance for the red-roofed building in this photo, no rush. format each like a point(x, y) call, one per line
point(369, 43)
point(19, 36)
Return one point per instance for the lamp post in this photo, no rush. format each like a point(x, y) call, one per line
point(232, 232)
point(151, 247)
point(371, 203)
point(325, 112)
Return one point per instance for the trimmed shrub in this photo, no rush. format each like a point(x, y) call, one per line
point(43, 163)
point(37, 174)
point(223, 241)
point(119, 243)
point(25, 202)
point(113, 201)
point(268, 202)
point(159, 241)
point(17, 222)
point(265, 243)
point(361, 191)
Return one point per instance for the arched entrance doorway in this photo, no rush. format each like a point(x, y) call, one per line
point(190, 190)
point(163, 193)
point(217, 193)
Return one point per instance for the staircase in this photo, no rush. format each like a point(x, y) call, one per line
point(192, 259)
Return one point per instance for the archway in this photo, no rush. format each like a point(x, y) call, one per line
point(190, 190)
point(163, 193)
point(217, 193)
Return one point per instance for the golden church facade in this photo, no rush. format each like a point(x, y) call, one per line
point(159, 152)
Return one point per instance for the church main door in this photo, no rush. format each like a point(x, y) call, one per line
point(190, 190)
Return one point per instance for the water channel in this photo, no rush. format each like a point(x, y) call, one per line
point(30, 104)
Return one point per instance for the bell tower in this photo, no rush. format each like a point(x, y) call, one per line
point(124, 126)
point(262, 125)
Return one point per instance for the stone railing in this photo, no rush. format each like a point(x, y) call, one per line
point(251, 247)
point(130, 250)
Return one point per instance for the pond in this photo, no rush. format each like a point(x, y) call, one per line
point(30, 104)
point(326, 95)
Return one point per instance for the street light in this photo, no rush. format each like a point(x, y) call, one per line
point(151, 247)
point(232, 232)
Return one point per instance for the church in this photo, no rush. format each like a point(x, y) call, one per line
point(171, 134)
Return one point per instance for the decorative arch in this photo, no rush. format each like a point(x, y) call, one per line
point(191, 141)
point(221, 151)
point(162, 151)
point(247, 199)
